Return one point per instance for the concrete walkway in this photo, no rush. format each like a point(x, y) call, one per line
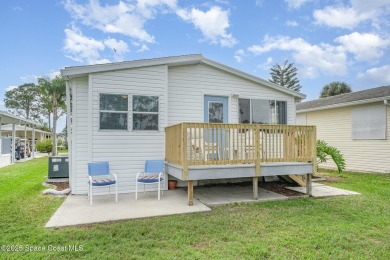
point(321, 190)
point(76, 209)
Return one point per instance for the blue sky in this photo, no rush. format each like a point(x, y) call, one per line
point(327, 40)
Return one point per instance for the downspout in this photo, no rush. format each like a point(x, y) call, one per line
point(69, 132)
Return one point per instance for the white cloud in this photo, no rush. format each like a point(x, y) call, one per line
point(54, 74)
point(239, 55)
point(82, 48)
point(143, 48)
point(314, 59)
point(120, 47)
point(267, 64)
point(29, 78)
point(295, 4)
point(348, 17)
point(379, 75)
point(213, 24)
point(292, 23)
point(10, 88)
point(259, 2)
point(122, 18)
point(365, 46)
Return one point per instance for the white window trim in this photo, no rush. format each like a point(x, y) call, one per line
point(250, 108)
point(115, 112)
point(145, 113)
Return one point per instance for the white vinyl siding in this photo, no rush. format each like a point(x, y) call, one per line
point(127, 150)
point(335, 127)
point(188, 85)
point(80, 135)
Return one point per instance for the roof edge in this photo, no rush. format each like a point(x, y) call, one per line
point(172, 60)
point(252, 78)
point(345, 104)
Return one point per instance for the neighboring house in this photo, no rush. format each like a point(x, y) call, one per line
point(10, 138)
point(120, 111)
point(357, 123)
point(25, 132)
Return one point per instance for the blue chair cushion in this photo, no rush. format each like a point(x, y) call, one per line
point(102, 182)
point(149, 179)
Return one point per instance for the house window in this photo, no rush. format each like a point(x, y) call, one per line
point(261, 111)
point(369, 123)
point(113, 111)
point(145, 113)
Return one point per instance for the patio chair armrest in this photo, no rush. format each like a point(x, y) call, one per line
point(90, 180)
point(160, 175)
point(115, 176)
point(139, 174)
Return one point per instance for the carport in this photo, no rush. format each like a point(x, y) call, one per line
point(8, 118)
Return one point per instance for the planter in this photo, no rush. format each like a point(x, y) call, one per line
point(172, 184)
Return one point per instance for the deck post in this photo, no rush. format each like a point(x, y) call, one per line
point(308, 184)
point(255, 181)
point(190, 193)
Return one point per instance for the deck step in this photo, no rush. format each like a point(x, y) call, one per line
point(292, 178)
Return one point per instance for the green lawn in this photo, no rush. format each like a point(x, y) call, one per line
point(344, 227)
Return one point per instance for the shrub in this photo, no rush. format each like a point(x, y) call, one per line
point(324, 151)
point(46, 146)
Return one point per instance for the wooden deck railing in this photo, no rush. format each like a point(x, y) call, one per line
point(191, 144)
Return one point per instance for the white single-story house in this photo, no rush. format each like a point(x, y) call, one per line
point(357, 123)
point(127, 112)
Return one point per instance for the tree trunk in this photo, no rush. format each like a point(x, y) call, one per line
point(55, 115)
point(49, 120)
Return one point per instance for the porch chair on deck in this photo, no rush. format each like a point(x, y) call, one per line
point(99, 176)
point(202, 148)
point(153, 174)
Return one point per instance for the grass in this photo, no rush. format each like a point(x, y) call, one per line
point(342, 227)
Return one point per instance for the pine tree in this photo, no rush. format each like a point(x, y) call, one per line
point(285, 76)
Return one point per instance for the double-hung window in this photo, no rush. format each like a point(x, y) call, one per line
point(262, 111)
point(145, 112)
point(113, 111)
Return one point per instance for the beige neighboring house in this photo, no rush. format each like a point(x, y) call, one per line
point(357, 123)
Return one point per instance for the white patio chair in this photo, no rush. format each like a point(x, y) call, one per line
point(201, 147)
point(99, 176)
point(152, 174)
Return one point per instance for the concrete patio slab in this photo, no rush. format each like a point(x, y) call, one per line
point(320, 190)
point(76, 209)
point(213, 196)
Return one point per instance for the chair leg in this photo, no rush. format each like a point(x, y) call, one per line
point(116, 192)
point(158, 196)
point(136, 190)
point(90, 195)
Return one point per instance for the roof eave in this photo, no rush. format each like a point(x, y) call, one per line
point(345, 104)
point(253, 78)
point(173, 61)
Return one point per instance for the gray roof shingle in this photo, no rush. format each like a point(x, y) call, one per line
point(345, 98)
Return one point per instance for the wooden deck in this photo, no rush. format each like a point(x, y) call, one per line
point(199, 151)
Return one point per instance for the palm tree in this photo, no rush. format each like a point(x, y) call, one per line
point(335, 88)
point(55, 91)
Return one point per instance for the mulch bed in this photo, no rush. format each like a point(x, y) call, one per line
point(275, 186)
point(280, 188)
point(60, 185)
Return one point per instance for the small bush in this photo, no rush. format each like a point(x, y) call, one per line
point(46, 146)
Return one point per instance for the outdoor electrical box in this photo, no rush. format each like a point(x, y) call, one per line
point(58, 167)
